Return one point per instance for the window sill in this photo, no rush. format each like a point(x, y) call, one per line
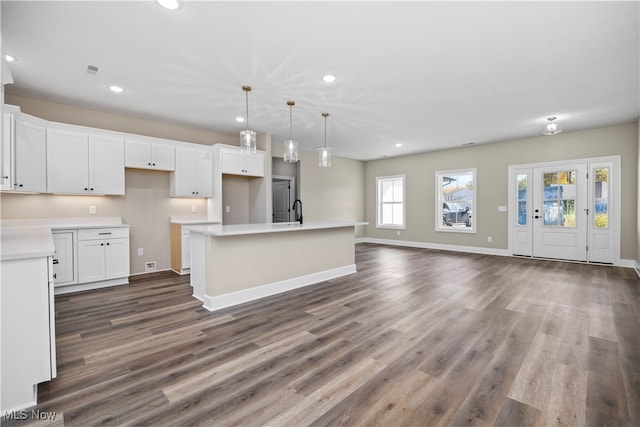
point(457, 230)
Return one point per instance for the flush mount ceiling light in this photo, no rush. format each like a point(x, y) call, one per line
point(290, 146)
point(553, 127)
point(9, 58)
point(398, 145)
point(116, 89)
point(329, 78)
point(170, 4)
point(247, 137)
point(239, 119)
point(324, 159)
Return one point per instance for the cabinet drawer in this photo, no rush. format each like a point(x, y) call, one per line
point(102, 233)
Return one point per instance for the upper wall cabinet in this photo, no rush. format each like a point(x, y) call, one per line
point(193, 174)
point(79, 162)
point(234, 163)
point(145, 154)
point(6, 149)
point(26, 169)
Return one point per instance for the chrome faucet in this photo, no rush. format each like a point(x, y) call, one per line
point(295, 204)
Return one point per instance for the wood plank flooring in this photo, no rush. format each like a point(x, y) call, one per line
point(416, 338)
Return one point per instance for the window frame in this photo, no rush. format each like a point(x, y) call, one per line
point(439, 201)
point(379, 203)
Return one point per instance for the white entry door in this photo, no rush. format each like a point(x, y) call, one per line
point(560, 216)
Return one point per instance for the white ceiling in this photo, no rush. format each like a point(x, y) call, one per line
point(429, 75)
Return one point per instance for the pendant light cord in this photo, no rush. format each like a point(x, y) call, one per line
point(325, 129)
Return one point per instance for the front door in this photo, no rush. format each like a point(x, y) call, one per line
point(560, 216)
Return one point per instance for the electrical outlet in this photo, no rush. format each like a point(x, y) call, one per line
point(92, 210)
point(194, 209)
point(149, 266)
point(140, 251)
point(490, 239)
point(227, 209)
point(397, 233)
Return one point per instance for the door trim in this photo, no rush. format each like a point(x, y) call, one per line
point(615, 199)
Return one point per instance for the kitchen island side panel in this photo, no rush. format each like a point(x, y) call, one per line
point(237, 263)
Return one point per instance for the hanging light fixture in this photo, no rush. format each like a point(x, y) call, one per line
point(290, 146)
point(247, 137)
point(553, 127)
point(324, 159)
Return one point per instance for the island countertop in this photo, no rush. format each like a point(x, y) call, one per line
point(219, 230)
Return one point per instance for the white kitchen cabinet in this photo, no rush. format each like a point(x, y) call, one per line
point(144, 154)
point(6, 177)
point(28, 330)
point(64, 259)
point(103, 254)
point(82, 163)
point(234, 163)
point(30, 154)
point(193, 174)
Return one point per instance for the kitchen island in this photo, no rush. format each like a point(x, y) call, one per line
point(233, 264)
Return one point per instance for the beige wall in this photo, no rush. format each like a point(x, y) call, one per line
point(117, 121)
point(492, 161)
point(330, 194)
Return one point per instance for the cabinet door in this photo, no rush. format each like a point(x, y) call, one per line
point(255, 164)
point(204, 174)
point(63, 265)
point(91, 261)
point(67, 162)
point(106, 164)
point(30, 157)
point(116, 258)
point(182, 180)
point(6, 183)
point(233, 162)
point(137, 154)
point(163, 157)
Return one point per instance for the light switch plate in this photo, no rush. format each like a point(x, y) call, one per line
point(92, 210)
point(502, 208)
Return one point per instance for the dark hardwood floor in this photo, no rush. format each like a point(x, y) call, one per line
point(416, 338)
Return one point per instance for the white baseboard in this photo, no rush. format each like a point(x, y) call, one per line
point(90, 286)
point(234, 298)
point(438, 246)
point(626, 263)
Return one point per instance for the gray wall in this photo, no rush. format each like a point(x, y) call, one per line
point(492, 161)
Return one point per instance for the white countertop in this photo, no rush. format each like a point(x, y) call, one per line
point(25, 242)
point(195, 219)
point(220, 230)
point(66, 223)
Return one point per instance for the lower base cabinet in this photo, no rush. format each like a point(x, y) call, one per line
point(103, 254)
point(28, 330)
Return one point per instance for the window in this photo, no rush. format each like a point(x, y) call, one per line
point(390, 202)
point(456, 201)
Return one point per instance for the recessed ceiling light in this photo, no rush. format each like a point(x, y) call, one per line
point(9, 58)
point(329, 78)
point(116, 89)
point(239, 119)
point(398, 145)
point(170, 4)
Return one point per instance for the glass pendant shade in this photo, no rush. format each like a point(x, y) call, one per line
point(324, 152)
point(247, 142)
point(247, 137)
point(324, 158)
point(290, 151)
point(290, 146)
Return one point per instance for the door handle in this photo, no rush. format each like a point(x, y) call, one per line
point(55, 261)
point(536, 216)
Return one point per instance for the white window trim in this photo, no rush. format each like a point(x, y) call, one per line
point(404, 202)
point(438, 202)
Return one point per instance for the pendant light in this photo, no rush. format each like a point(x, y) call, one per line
point(552, 128)
point(324, 159)
point(247, 137)
point(290, 146)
